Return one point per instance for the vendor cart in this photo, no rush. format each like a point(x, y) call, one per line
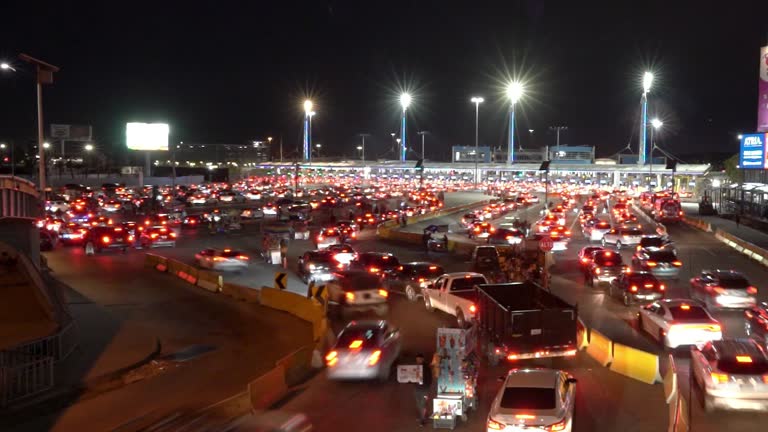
point(275, 236)
point(457, 379)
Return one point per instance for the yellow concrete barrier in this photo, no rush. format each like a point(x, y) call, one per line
point(600, 348)
point(210, 280)
point(681, 417)
point(670, 380)
point(267, 389)
point(157, 262)
point(183, 271)
point(233, 291)
point(249, 295)
point(295, 305)
point(297, 365)
point(635, 364)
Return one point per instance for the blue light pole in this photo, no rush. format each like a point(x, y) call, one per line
point(514, 92)
point(405, 101)
point(307, 131)
point(647, 81)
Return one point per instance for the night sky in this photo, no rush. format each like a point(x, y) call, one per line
point(222, 72)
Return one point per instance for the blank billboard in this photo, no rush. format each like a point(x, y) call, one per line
point(147, 136)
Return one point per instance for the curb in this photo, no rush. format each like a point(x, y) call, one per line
point(57, 399)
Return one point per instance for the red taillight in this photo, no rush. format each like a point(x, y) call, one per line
point(384, 293)
point(597, 270)
point(585, 260)
point(477, 229)
point(651, 263)
point(677, 263)
point(473, 309)
point(374, 358)
point(765, 379)
point(355, 344)
point(243, 257)
point(662, 287)
point(633, 288)
point(349, 295)
point(320, 238)
point(106, 239)
point(130, 238)
point(153, 235)
point(374, 269)
point(751, 290)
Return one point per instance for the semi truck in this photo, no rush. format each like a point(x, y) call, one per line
point(522, 320)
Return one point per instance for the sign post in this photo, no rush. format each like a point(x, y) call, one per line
point(545, 244)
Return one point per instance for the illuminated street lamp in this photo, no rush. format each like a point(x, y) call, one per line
point(88, 147)
point(740, 136)
point(647, 81)
point(405, 101)
point(477, 101)
point(46, 145)
point(515, 92)
point(6, 66)
point(318, 147)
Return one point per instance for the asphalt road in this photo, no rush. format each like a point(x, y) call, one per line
point(606, 401)
point(698, 251)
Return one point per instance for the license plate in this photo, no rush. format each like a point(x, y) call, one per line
point(366, 296)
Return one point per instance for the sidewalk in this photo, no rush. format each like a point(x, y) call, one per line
point(748, 234)
point(107, 348)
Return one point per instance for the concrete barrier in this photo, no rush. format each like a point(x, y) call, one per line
point(600, 348)
point(297, 365)
point(296, 305)
point(267, 389)
point(157, 262)
point(750, 250)
point(210, 280)
point(635, 364)
point(670, 380)
point(183, 271)
point(698, 223)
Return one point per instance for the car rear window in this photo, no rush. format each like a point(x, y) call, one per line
point(663, 256)
point(522, 398)
point(756, 366)
point(428, 271)
point(368, 338)
point(384, 261)
point(641, 279)
point(734, 282)
point(631, 232)
point(231, 253)
point(608, 261)
point(652, 242)
point(691, 313)
point(466, 283)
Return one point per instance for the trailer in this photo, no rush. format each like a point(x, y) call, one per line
point(521, 320)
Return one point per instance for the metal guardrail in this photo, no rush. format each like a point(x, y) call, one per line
point(23, 375)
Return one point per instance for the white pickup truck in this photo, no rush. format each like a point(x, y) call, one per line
point(454, 293)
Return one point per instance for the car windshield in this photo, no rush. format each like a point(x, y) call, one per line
point(528, 398)
point(466, 283)
point(663, 256)
point(359, 337)
point(688, 313)
point(749, 364)
point(734, 282)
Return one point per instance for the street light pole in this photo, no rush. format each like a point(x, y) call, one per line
point(422, 133)
point(514, 92)
point(477, 101)
point(362, 148)
point(45, 73)
point(647, 81)
point(557, 130)
point(655, 124)
point(405, 101)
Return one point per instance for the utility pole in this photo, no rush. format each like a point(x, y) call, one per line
point(557, 130)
